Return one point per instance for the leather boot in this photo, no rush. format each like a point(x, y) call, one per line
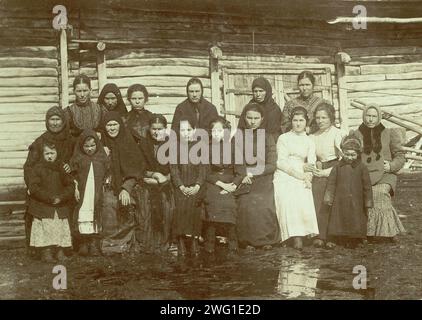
point(47, 255)
point(298, 243)
point(195, 247)
point(181, 247)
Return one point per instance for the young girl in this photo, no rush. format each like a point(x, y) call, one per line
point(222, 181)
point(188, 179)
point(50, 203)
point(349, 192)
point(137, 119)
point(83, 113)
point(90, 165)
point(155, 198)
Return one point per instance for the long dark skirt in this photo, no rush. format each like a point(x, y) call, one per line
point(187, 215)
point(257, 220)
point(118, 224)
point(220, 207)
point(155, 207)
point(319, 184)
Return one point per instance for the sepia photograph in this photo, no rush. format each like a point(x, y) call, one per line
point(210, 155)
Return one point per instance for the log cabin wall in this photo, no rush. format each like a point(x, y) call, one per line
point(163, 43)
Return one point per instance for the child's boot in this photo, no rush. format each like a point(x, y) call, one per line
point(93, 248)
point(47, 255)
point(210, 239)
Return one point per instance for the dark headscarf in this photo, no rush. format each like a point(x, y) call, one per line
point(126, 159)
point(111, 87)
point(272, 112)
point(372, 136)
point(252, 105)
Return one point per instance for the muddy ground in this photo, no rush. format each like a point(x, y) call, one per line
point(394, 270)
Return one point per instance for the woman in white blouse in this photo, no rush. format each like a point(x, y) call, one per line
point(292, 186)
point(327, 145)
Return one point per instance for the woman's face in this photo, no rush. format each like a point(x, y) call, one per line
point(186, 131)
point(82, 93)
point(253, 119)
point(259, 94)
point(298, 123)
point(158, 131)
point(322, 120)
point(55, 124)
point(50, 154)
point(110, 101)
point(194, 93)
point(217, 131)
point(371, 118)
point(137, 100)
point(305, 87)
point(90, 146)
point(113, 128)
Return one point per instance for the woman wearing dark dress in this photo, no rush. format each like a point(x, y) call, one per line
point(154, 196)
point(83, 113)
point(263, 95)
point(111, 98)
point(188, 180)
point(222, 182)
point(257, 224)
point(137, 120)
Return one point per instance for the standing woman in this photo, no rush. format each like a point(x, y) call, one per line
point(58, 134)
point(306, 99)
point(188, 180)
point(137, 120)
point(382, 155)
point(127, 165)
point(292, 186)
point(257, 221)
point(83, 113)
point(327, 142)
point(111, 99)
point(263, 95)
point(155, 198)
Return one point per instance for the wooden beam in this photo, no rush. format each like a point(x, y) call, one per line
point(375, 20)
point(341, 59)
point(63, 67)
point(101, 65)
point(215, 55)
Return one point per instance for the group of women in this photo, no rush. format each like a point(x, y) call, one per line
point(126, 197)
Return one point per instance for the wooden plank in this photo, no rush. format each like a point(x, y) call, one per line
point(387, 84)
point(13, 155)
point(404, 76)
point(53, 99)
point(101, 69)
point(23, 107)
point(342, 95)
point(138, 61)
point(391, 68)
point(28, 72)
point(28, 51)
point(27, 91)
point(64, 75)
point(29, 82)
point(382, 93)
point(365, 78)
point(202, 72)
point(23, 62)
point(12, 163)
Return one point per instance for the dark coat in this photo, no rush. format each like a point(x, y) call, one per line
point(46, 182)
point(349, 192)
point(390, 151)
point(207, 112)
point(84, 117)
point(148, 149)
point(138, 123)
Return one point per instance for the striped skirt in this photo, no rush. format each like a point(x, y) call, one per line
point(383, 220)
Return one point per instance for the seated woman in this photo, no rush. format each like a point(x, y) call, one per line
point(292, 186)
point(327, 145)
point(111, 99)
point(257, 224)
point(155, 198)
point(222, 182)
point(127, 165)
point(383, 157)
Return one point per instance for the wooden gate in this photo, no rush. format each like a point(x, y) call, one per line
point(237, 87)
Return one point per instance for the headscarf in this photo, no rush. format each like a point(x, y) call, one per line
point(111, 87)
point(251, 105)
point(126, 159)
point(79, 152)
point(372, 136)
point(272, 112)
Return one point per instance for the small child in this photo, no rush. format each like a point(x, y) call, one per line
point(50, 203)
point(89, 164)
point(349, 192)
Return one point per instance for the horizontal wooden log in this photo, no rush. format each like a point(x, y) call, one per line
point(352, 70)
point(407, 149)
point(22, 62)
point(12, 196)
point(251, 64)
point(365, 78)
point(391, 68)
point(29, 82)
point(49, 52)
point(389, 100)
point(136, 61)
point(202, 72)
point(53, 99)
point(374, 51)
point(157, 81)
point(23, 127)
point(381, 58)
point(11, 181)
point(22, 107)
point(11, 172)
point(13, 155)
point(388, 84)
point(410, 156)
point(404, 76)
point(382, 93)
point(28, 72)
point(27, 91)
